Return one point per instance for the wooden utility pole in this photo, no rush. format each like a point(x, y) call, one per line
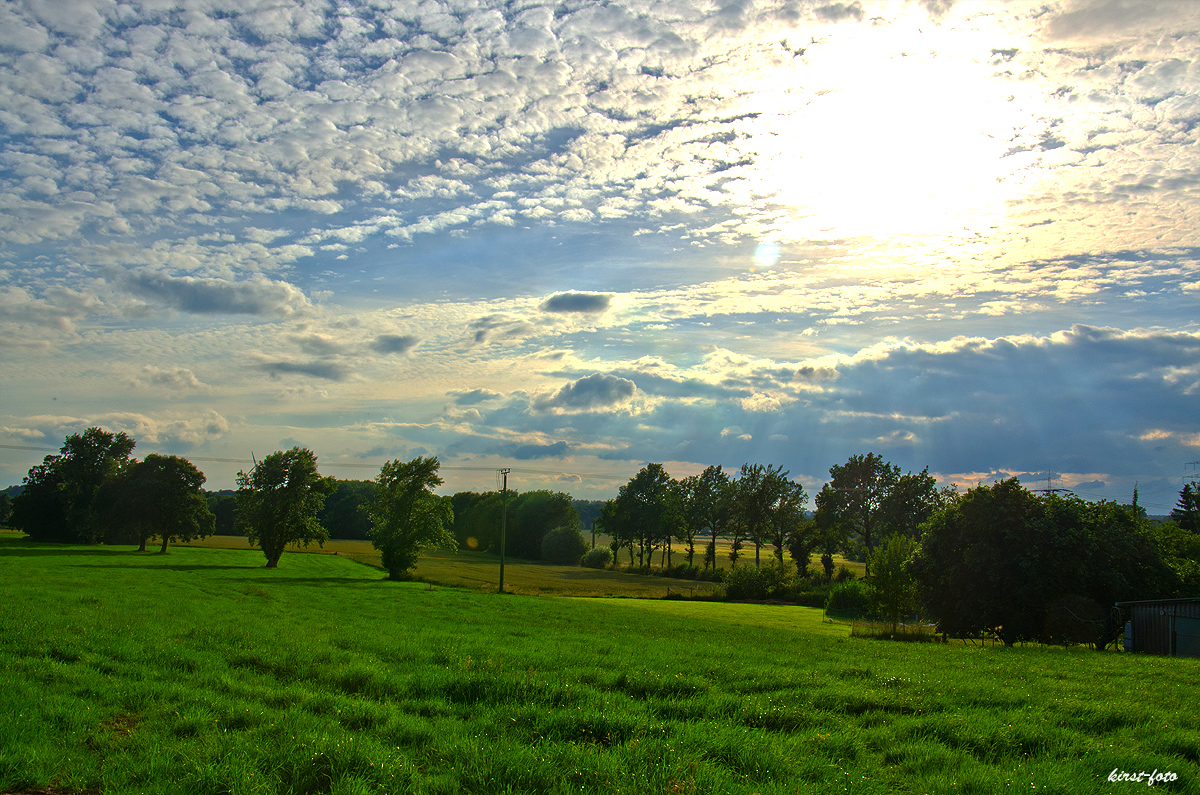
point(503, 523)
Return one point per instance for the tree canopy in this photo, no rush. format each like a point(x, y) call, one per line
point(1002, 559)
point(160, 496)
point(278, 501)
point(61, 500)
point(406, 515)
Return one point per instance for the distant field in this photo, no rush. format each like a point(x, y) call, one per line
point(479, 571)
point(202, 672)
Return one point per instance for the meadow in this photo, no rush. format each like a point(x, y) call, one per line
point(200, 671)
point(479, 571)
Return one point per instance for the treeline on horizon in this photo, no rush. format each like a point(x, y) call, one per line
point(995, 558)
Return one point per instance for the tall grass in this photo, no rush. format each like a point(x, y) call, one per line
point(202, 672)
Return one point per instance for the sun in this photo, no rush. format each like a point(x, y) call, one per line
point(887, 132)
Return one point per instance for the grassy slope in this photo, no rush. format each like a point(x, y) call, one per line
point(202, 672)
point(480, 572)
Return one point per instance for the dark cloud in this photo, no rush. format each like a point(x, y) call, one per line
point(577, 302)
point(595, 392)
point(330, 371)
point(836, 12)
point(531, 451)
point(475, 396)
point(256, 296)
point(498, 327)
point(394, 343)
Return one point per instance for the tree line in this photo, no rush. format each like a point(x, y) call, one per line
point(762, 506)
point(94, 491)
point(997, 558)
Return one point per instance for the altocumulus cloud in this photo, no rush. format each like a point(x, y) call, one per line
point(595, 392)
point(577, 302)
point(255, 296)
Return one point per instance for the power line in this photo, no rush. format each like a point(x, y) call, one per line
point(354, 465)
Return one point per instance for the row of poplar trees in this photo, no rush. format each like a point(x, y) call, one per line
point(762, 506)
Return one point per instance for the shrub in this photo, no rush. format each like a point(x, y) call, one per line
point(849, 596)
point(598, 558)
point(746, 582)
point(563, 545)
point(773, 579)
point(844, 575)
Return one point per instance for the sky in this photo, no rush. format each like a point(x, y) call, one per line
point(572, 238)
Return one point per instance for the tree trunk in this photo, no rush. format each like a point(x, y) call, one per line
point(142, 548)
point(273, 561)
point(163, 551)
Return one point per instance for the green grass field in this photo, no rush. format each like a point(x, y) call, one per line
point(480, 572)
point(202, 672)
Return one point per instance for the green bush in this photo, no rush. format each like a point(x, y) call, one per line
point(598, 558)
point(851, 595)
point(746, 582)
point(563, 545)
point(844, 575)
point(773, 579)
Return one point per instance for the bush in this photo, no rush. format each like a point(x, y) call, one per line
point(746, 582)
point(773, 579)
point(563, 545)
point(844, 575)
point(849, 596)
point(598, 558)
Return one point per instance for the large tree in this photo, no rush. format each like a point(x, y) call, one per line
point(1000, 558)
point(278, 501)
point(646, 510)
point(869, 497)
point(160, 496)
point(406, 515)
point(61, 500)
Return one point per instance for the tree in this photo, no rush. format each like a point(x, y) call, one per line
point(564, 546)
point(60, 501)
point(706, 505)
point(999, 558)
point(1186, 513)
point(646, 509)
point(892, 584)
point(406, 515)
point(854, 495)
point(160, 496)
point(5, 507)
point(344, 513)
point(278, 501)
point(786, 515)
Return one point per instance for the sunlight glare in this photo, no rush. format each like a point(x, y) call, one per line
point(897, 132)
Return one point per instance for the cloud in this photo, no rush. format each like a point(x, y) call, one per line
point(597, 392)
point(836, 12)
point(394, 343)
point(577, 302)
point(166, 379)
point(475, 396)
point(500, 327)
point(532, 451)
point(329, 371)
point(254, 296)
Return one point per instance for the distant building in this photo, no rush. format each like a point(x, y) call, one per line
point(1162, 626)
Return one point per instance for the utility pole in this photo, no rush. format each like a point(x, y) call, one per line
point(503, 523)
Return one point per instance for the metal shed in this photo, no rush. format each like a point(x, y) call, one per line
point(1163, 626)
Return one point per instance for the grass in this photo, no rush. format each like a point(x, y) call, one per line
point(202, 672)
point(479, 571)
